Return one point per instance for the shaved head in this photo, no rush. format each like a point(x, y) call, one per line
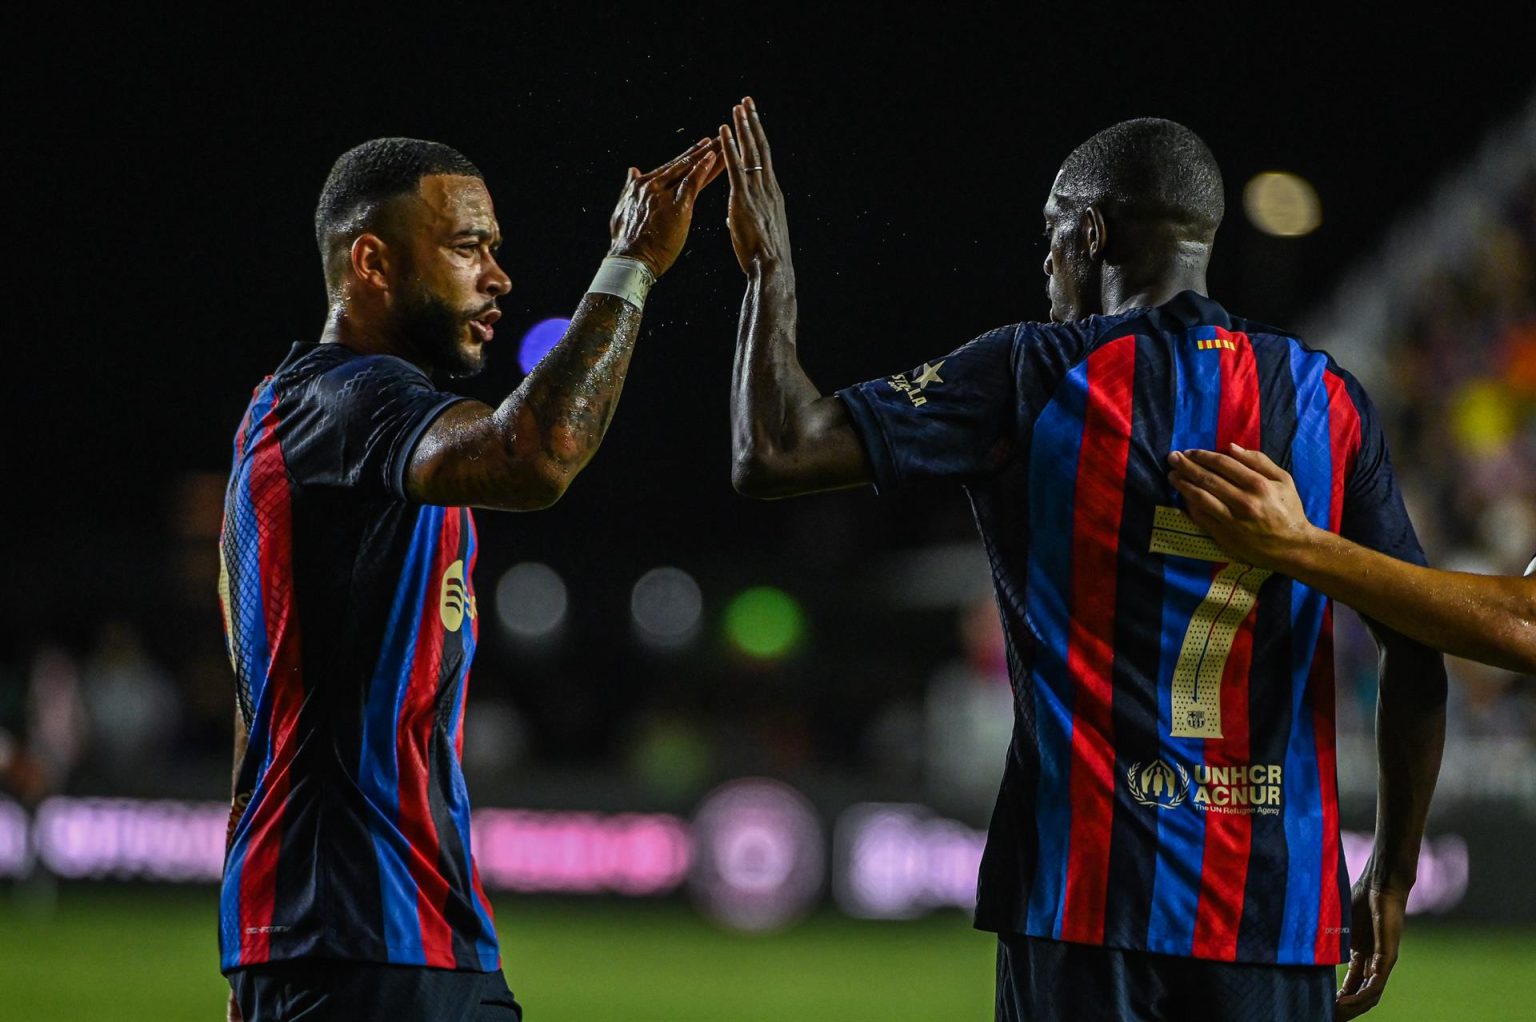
point(1150, 170)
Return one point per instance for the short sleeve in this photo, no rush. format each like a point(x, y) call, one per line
point(950, 418)
point(358, 424)
point(1374, 514)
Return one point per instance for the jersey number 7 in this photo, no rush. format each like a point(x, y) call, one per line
point(1207, 643)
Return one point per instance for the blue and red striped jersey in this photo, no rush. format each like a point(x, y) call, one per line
point(1170, 785)
point(350, 619)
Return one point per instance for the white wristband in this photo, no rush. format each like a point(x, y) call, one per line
point(628, 278)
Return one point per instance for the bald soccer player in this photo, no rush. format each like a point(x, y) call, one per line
point(1166, 839)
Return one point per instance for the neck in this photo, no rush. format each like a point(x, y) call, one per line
point(346, 325)
point(1138, 287)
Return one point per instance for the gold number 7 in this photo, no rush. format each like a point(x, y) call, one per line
point(1207, 644)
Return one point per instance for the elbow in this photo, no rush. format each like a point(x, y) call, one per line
point(761, 475)
point(751, 475)
point(543, 487)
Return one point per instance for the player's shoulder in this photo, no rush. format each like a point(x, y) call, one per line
point(330, 372)
point(1070, 339)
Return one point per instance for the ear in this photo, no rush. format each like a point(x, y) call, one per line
point(1095, 233)
point(371, 263)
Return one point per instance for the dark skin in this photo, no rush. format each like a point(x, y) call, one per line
point(441, 243)
point(790, 439)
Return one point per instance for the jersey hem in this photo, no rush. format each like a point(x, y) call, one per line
point(1009, 931)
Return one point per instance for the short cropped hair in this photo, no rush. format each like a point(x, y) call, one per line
point(366, 177)
point(1150, 168)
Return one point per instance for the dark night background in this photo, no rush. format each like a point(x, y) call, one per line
point(162, 172)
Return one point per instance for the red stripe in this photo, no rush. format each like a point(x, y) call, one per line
point(1097, 502)
point(413, 737)
point(474, 625)
point(1344, 445)
point(1229, 837)
point(272, 500)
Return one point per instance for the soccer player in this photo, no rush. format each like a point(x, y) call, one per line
point(1251, 508)
point(1166, 839)
point(347, 557)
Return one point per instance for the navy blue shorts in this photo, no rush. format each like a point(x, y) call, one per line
point(322, 989)
point(1053, 981)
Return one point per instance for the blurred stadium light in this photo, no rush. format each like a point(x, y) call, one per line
point(667, 606)
point(531, 601)
point(1282, 204)
point(539, 339)
point(764, 622)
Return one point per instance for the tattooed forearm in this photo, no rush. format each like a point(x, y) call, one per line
point(522, 454)
point(570, 397)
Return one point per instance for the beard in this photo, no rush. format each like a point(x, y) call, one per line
point(433, 332)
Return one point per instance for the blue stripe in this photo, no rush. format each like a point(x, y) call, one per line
point(1054, 454)
point(379, 771)
point(249, 617)
point(1181, 829)
point(1312, 468)
point(485, 941)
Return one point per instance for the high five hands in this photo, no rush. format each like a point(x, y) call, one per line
point(759, 229)
point(655, 209)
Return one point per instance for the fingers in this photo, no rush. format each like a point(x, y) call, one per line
point(1365, 995)
point(681, 161)
point(731, 154)
point(1259, 462)
point(759, 137)
point(1230, 469)
point(1354, 975)
point(747, 140)
point(1186, 469)
point(1203, 507)
point(703, 171)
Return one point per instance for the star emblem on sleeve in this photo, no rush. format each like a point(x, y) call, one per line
point(930, 374)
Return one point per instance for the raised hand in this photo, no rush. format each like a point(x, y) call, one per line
point(1245, 501)
point(759, 228)
point(655, 210)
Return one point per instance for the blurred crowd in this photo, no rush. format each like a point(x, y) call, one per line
point(1460, 413)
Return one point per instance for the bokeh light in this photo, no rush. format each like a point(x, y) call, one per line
point(540, 337)
point(531, 601)
point(764, 622)
point(667, 606)
point(1282, 204)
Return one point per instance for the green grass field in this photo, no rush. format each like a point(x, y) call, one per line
point(143, 955)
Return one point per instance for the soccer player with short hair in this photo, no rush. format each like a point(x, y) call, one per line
point(1166, 839)
point(347, 559)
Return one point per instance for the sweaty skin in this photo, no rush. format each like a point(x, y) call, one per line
point(790, 439)
point(1251, 507)
point(441, 254)
point(523, 454)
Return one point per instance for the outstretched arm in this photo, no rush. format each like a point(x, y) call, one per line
point(788, 438)
point(1250, 506)
point(523, 454)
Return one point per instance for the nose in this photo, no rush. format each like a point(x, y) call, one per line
point(1047, 266)
point(497, 283)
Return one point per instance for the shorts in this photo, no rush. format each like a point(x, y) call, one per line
point(323, 989)
point(1042, 980)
